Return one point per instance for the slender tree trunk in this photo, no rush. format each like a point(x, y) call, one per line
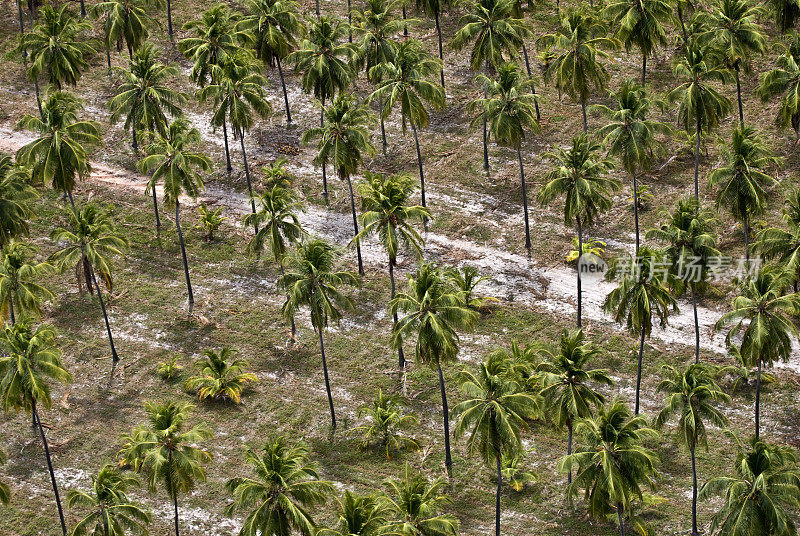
point(108, 58)
point(317, 8)
point(524, 199)
point(175, 504)
point(135, 140)
point(285, 95)
point(697, 162)
point(228, 166)
point(758, 399)
point(485, 131)
point(580, 255)
point(327, 380)
point(68, 197)
point(497, 502)
point(530, 76)
point(173, 493)
point(155, 209)
point(405, 26)
point(639, 371)
point(14, 320)
point(441, 54)
point(291, 319)
point(695, 532)
point(37, 421)
point(247, 176)
point(569, 448)
point(644, 68)
point(38, 96)
point(349, 23)
point(21, 25)
point(183, 253)
point(636, 209)
point(739, 94)
point(401, 358)
point(169, 17)
point(683, 25)
point(746, 229)
point(419, 164)
point(383, 126)
point(448, 460)
point(83, 10)
point(620, 520)
point(324, 173)
point(355, 225)
point(696, 326)
point(114, 356)
point(585, 121)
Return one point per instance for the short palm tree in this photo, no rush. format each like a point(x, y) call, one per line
point(691, 395)
point(435, 313)
point(612, 464)
point(166, 452)
point(314, 282)
point(415, 505)
point(784, 244)
point(344, 140)
point(494, 414)
point(20, 295)
point(359, 515)
point(221, 377)
point(762, 316)
point(642, 295)
point(434, 8)
point(29, 361)
point(124, 21)
point(784, 80)
point(284, 483)
point(386, 426)
point(16, 197)
point(641, 25)
point(508, 110)
point(88, 242)
point(171, 160)
point(580, 175)
point(111, 511)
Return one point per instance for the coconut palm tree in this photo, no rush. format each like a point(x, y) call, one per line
point(111, 511)
point(692, 395)
point(29, 361)
point(171, 160)
point(59, 155)
point(435, 313)
point(580, 175)
point(143, 95)
point(782, 244)
point(786, 13)
point(434, 8)
point(566, 383)
point(641, 25)
point(387, 213)
point(16, 197)
point(313, 281)
point(761, 316)
point(359, 515)
point(387, 420)
point(784, 80)
point(124, 21)
point(494, 415)
point(221, 377)
point(612, 464)
point(415, 505)
point(404, 83)
point(166, 452)
point(744, 177)
point(699, 103)
point(577, 67)
point(88, 242)
point(20, 295)
point(508, 110)
point(642, 294)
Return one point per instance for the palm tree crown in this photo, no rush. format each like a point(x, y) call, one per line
point(20, 295)
point(16, 195)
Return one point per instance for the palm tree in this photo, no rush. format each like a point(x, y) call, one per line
point(5, 491)
point(642, 294)
point(518, 13)
point(415, 504)
point(784, 80)
point(144, 96)
point(692, 394)
point(577, 67)
point(16, 196)
point(171, 159)
point(494, 414)
point(631, 136)
point(736, 34)
point(166, 452)
point(405, 83)
point(640, 25)
point(20, 294)
point(387, 419)
point(565, 383)
point(434, 8)
point(612, 463)
point(761, 496)
point(762, 316)
point(508, 110)
point(124, 21)
point(742, 181)
point(700, 105)
point(275, 25)
point(111, 511)
point(691, 245)
point(221, 378)
point(285, 483)
point(29, 361)
point(435, 313)
point(386, 212)
point(359, 515)
point(314, 282)
point(781, 244)
point(786, 13)
point(88, 242)
point(580, 175)
point(58, 156)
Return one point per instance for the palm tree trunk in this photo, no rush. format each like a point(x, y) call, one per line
point(697, 162)
point(739, 94)
point(696, 327)
point(383, 126)
point(636, 209)
point(644, 68)
point(291, 319)
point(155, 209)
point(83, 10)
point(247, 177)
point(355, 225)
point(173, 493)
point(38, 96)
point(175, 504)
point(108, 58)
point(169, 17)
point(695, 532)
point(746, 229)
point(497, 501)
point(14, 320)
point(114, 356)
point(68, 195)
point(419, 164)
point(441, 54)
point(317, 8)
point(639, 371)
point(620, 520)
point(683, 25)
point(37, 421)
point(401, 358)
point(569, 448)
point(228, 167)
point(405, 26)
point(183, 253)
point(585, 121)
point(448, 460)
point(758, 399)
point(322, 124)
point(327, 380)
point(524, 199)
point(135, 140)
point(485, 132)
point(21, 24)
point(349, 23)
point(580, 254)
point(530, 76)
point(285, 96)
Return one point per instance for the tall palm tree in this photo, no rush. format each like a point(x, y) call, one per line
point(641, 25)
point(762, 316)
point(314, 282)
point(744, 177)
point(784, 80)
point(359, 515)
point(782, 244)
point(580, 175)
point(166, 452)
point(343, 140)
point(577, 67)
point(508, 110)
point(404, 83)
point(387, 213)
point(435, 8)
point(88, 242)
point(642, 294)
point(494, 415)
point(124, 21)
point(59, 155)
point(435, 313)
point(699, 103)
point(612, 464)
point(692, 394)
point(416, 504)
point(20, 295)
point(111, 511)
point(733, 30)
point(29, 361)
point(143, 95)
point(566, 380)
point(16, 197)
